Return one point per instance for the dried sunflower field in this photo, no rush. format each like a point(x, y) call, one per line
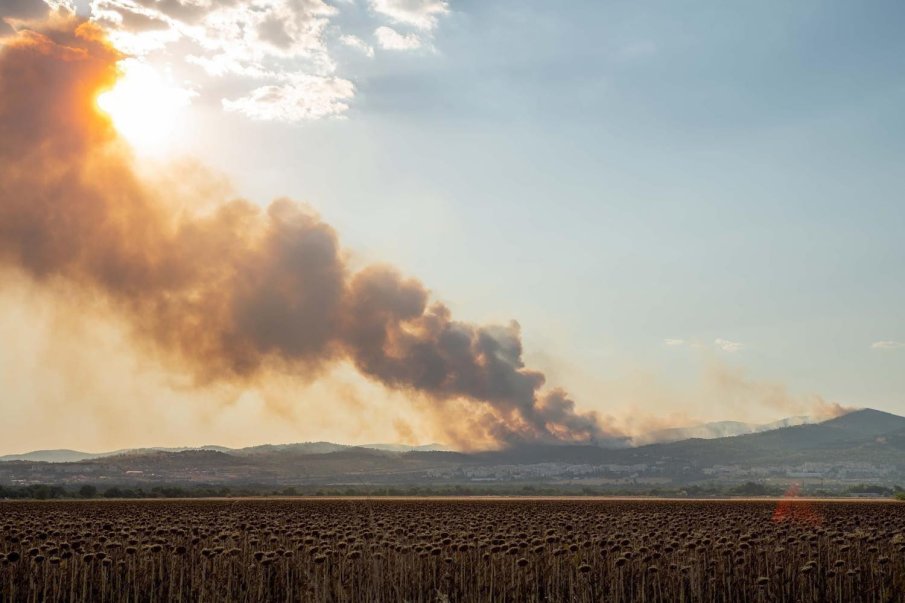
point(452, 550)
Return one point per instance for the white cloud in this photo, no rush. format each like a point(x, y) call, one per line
point(422, 14)
point(391, 39)
point(358, 44)
point(303, 98)
point(245, 30)
point(220, 66)
point(61, 5)
point(282, 46)
point(888, 345)
point(722, 344)
point(728, 346)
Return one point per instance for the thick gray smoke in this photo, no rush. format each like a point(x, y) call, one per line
point(230, 293)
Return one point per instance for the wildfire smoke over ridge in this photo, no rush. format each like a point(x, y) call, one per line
point(223, 289)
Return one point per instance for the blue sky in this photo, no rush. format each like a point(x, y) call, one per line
point(616, 174)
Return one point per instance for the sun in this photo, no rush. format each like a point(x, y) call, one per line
point(145, 107)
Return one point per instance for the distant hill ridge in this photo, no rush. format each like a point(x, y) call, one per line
point(715, 430)
point(856, 424)
point(64, 455)
point(865, 446)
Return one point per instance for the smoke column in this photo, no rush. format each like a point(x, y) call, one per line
point(224, 290)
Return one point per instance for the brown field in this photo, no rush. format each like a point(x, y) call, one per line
point(452, 550)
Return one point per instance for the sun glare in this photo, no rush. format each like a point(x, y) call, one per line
point(144, 106)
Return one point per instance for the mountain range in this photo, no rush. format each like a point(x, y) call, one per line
point(705, 431)
point(865, 446)
point(65, 455)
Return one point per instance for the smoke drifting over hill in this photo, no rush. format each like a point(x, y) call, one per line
point(225, 290)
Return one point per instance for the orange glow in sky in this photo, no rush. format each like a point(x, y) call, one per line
point(145, 107)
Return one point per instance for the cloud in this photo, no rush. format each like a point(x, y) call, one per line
point(722, 344)
point(279, 50)
point(391, 39)
point(304, 98)
point(358, 44)
point(422, 14)
point(888, 345)
point(247, 38)
point(728, 346)
point(245, 31)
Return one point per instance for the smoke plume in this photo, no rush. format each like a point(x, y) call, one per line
point(224, 290)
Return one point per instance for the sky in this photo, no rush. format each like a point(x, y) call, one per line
point(693, 210)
